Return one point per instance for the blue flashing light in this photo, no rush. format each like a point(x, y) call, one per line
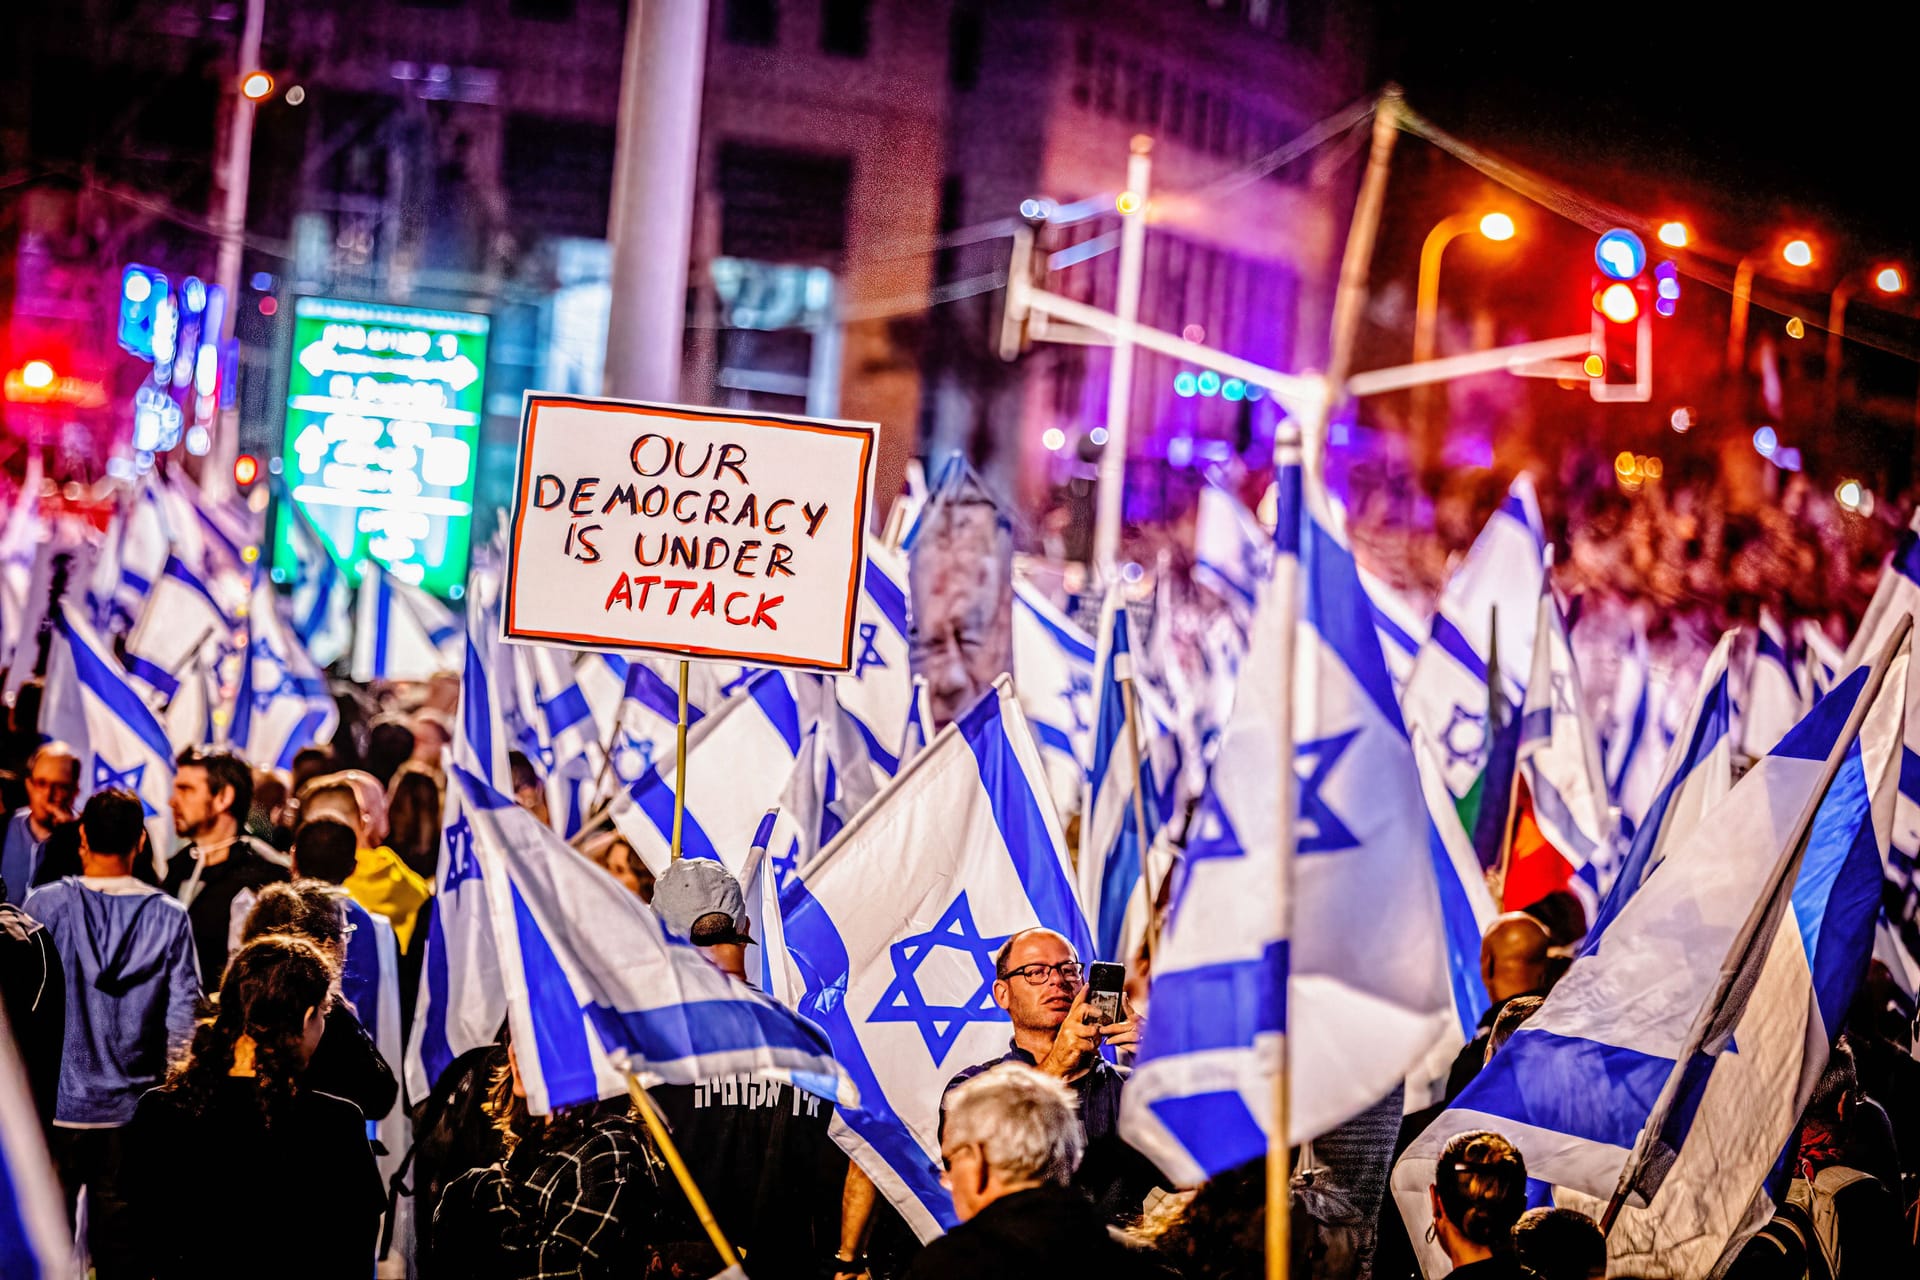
point(1234, 389)
point(1787, 459)
point(262, 281)
point(142, 290)
point(194, 294)
point(1209, 382)
point(1185, 384)
point(1664, 306)
point(1765, 441)
point(1180, 451)
point(1256, 392)
point(1666, 271)
point(1669, 289)
point(1620, 254)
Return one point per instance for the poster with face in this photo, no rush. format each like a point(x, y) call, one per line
point(962, 583)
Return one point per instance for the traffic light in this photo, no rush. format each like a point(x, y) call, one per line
point(1620, 366)
point(246, 469)
point(142, 290)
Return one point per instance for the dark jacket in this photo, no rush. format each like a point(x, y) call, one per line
point(347, 1065)
point(221, 1194)
point(1043, 1234)
point(1117, 1177)
point(211, 905)
point(33, 987)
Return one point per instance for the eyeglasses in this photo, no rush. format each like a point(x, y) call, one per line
point(1038, 975)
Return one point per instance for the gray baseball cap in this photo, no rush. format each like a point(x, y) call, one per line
point(693, 888)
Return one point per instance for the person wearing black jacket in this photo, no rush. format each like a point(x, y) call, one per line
point(1010, 1146)
point(219, 874)
point(33, 987)
point(345, 1063)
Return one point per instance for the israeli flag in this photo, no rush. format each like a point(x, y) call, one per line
point(1895, 597)
point(597, 986)
point(370, 981)
point(322, 596)
point(35, 1243)
point(1646, 1037)
point(92, 706)
point(567, 738)
point(1774, 702)
point(832, 778)
point(906, 993)
point(737, 764)
point(1053, 668)
point(919, 730)
point(1559, 758)
point(131, 558)
point(1466, 909)
point(210, 546)
point(1123, 812)
point(635, 708)
point(1403, 627)
point(400, 632)
point(181, 621)
point(282, 704)
point(1358, 988)
point(1822, 661)
point(1446, 693)
point(877, 694)
point(1696, 778)
point(19, 546)
point(193, 716)
point(1231, 552)
point(461, 1002)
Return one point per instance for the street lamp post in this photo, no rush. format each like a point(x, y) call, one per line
point(1888, 280)
point(216, 476)
point(1426, 310)
point(1796, 253)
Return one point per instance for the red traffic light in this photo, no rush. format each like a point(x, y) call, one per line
point(246, 469)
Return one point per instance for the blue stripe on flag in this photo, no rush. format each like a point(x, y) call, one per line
point(651, 690)
point(890, 599)
point(1536, 725)
point(301, 736)
point(382, 611)
point(675, 1032)
point(559, 1032)
point(654, 795)
point(163, 681)
point(1910, 773)
point(876, 750)
point(1286, 510)
point(436, 1053)
point(1584, 1088)
point(1392, 630)
point(1023, 828)
point(1450, 639)
point(1836, 897)
point(176, 569)
point(821, 956)
point(1219, 1124)
point(1053, 737)
point(1219, 1006)
point(1337, 607)
point(1820, 729)
point(776, 699)
point(565, 710)
point(97, 675)
point(1463, 936)
point(1073, 644)
point(476, 696)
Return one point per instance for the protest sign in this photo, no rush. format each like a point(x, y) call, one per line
point(702, 533)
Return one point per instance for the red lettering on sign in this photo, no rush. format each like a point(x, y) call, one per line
point(646, 583)
point(620, 594)
point(761, 612)
point(677, 585)
point(744, 619)
point(704, 604)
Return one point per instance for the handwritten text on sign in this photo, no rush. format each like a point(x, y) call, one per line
point(700, 532)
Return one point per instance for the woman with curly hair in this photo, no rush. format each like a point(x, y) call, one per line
point(235, 1168)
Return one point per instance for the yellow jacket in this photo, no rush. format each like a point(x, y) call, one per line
point(383, 884)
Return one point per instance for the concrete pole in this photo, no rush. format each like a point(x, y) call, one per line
point(216, 477)
point(1111, 499)
point(656, 156)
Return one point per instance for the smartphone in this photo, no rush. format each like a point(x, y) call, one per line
point(1104, 985)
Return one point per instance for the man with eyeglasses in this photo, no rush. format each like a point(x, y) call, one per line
point(1039, 981)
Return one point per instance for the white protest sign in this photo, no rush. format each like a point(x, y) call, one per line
point(703, 533)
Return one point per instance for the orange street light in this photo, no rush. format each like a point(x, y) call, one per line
point(1890, 280)
point(1673, 234)
point(256, 86)
point(1495, 225)
point(1797, 253)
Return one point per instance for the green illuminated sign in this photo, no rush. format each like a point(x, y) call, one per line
point(383, 434)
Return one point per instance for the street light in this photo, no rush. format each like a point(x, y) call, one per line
point(1673, 234)
point(1888, 279)
point(256, 86)
point(1494, 225)
point(1796, 253)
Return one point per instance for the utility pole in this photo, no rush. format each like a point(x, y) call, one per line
point(1111, 501)
point(230, 221)
point(656, 153)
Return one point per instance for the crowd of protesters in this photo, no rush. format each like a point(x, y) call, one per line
point(203, 1043)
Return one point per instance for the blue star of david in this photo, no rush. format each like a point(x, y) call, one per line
point(869, 655)
point(1321, 830)
point(280, 679)
point(461, 864)
point(632, 757)
point(940, 1025)
point(1471, 751)
point(1079, 686)
point(785, 866)
point(105, 775)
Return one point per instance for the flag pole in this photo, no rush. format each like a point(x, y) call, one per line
point(670, 1153)
point(1132, 708)
point(680, 766)
point(1285, 586)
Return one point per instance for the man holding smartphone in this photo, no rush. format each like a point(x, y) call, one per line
point(1060, 1023)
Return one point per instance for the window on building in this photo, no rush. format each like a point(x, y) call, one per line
point(543, 10)
point(845, 27)
point(966, 35)
point(780, 205)
point(752, 22)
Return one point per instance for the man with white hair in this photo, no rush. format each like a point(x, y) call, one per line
point(1010, 1147)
